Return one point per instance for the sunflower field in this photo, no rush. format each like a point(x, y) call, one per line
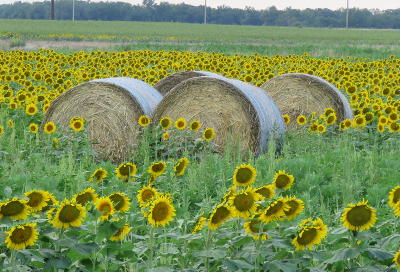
point(330, 201)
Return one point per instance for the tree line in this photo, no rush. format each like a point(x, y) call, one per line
point(166, 12)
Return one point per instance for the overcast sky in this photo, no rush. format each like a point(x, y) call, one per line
point(280, 4)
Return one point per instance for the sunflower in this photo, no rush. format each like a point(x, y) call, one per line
point(331, 119)
point(145, 194)
point(52, 201)
point(296, 206)
point(346, 124)
point(396, 258)
point(69, 214)
point(1, 130)
point(329, 111)
point(219, 215)
point(321, 129)
point(165, 123)
point(180, 166)
point(105, 206)
point(10, 123)
point(85, 196)
point(22, 236)
point(50, 127)
point(301, 120)
point(359, 121)
point(126, 170)
point(208, 134)
point(37, 199)
point(180, 123)
point(152, 179)
point(286, 118)
point(161, 211)
point(394, 196)
point(199, 225)
point(274, 211)
point(121, 233)
point(144, 121)
point(77, 125)
point(358, 217)
point(15, 209)
point(76, 118)
point(98, 175)
point(310, 234)
point(157, 168)
point(195, 125)
point(282, 180)
point(120, 201)
point(267, 191)
point(244, 175)
point(33, 128)
point(165, 136)
point(31, 109)
point(253, 228)
point(244, 203)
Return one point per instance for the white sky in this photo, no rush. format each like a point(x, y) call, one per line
point(280, 4)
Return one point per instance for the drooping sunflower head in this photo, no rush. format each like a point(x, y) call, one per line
point(180, 166)
point(255, 229)
point(37, 199)
point(244, 175)
point(33, 128)
point(20, 237)
point(69, 214)
point(144, 121)
point(106, 207)
point(282, 180)
point(165, 123)
point(161, 211)
point(145, 194)
point(121, 233)
point(120, 201)
point(208, 134)
point(267, 191)
point(180, 123)
point(199, 225)
point(157, 168)
point(244, 203)
point(359, 217)
point(275, 211)
point(98, 175)
point(296, 206)
point(126, 170)
point(85, 196)
point(15, 209)
point(49, 128)
point(219, 215)
point(195, 125)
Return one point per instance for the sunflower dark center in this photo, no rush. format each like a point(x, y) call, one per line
point(21, 234)
point(157, 167)
point(359, 216)
point(125, 170)
point(165, 123)
point(282, 181)
point(293, 206)
point(243, 202)
point(160, 211)
point(69, 214)
point(396, 195)
point(35, 199)
point(118, 201)
point(220, 215)
point(84, 198)
point(271, 210)
point(147, 194)
point(244, 175)
point(12, 208)
point(208, 134)
point(307, 236)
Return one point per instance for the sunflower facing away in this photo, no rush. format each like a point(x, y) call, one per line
point(157, 168)
point(359, 217)
point(98, 175)
point(244, 203)
point(145, 194)
point(22, 236)
point(144, 121)
point(180, 166)
point(244, 175)
point(69, 214)
point(37, 199)
point(126, 170)
point(120, 202)
point(86, 196)
point(161, 211)
point(312, 232)
point(219, 215)
point(106, 207)
point(121, 233)
point(282, 180)
point(15, 209)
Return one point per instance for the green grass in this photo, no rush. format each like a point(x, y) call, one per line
point(228, 39)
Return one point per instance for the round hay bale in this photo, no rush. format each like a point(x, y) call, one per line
point(111, 108)
point(296, 94)
point(169, 82)
point(231, 107)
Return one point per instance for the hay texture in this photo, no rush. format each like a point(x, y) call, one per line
point(236, 110)
point(169, 82)
point(296, 94)
point(111, 108)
